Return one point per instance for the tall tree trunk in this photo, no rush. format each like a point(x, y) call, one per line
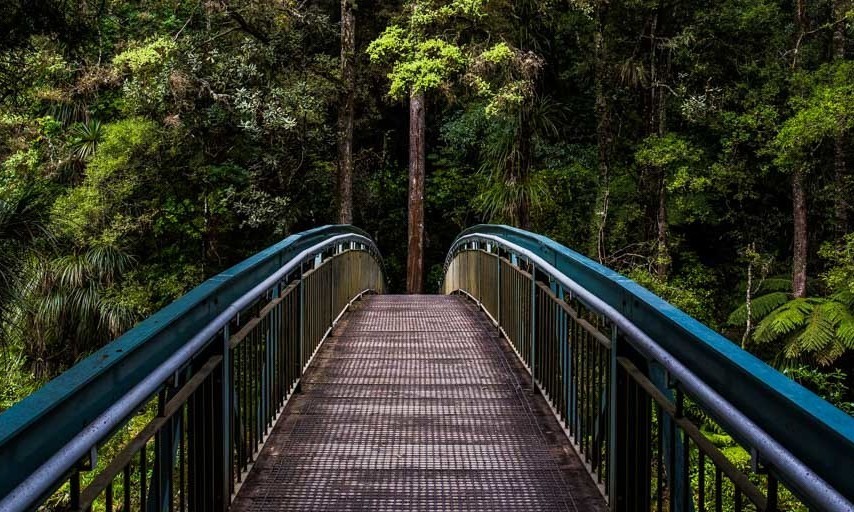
point(346, 113)
point(662, 257)
point(603, 131)
point(799, 200)
point(658, 125)
point(417, 164)
point(799, 221)
point(841, 206)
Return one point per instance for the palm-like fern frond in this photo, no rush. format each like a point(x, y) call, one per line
point(87, 135)
point(760, 307)
point(775, 284)
point(73, 304)
point(816, 329)
point(784, 320)
point(23, 222)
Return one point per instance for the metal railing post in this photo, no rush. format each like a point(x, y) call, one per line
point(301, 352)
point(563, 343)
point(533, 326)
point(228, 414)
point(498, 288)
point(612, 421)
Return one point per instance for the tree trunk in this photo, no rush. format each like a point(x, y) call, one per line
point(346, 113)
point(415, 258)
point(658, 125)
point(799, 201)
point(841, 206)
point(662, 257)
point(799, 214)
point(603, 132)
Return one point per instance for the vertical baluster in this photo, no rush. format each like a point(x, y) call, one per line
point(142, 473)
point(108, 497)
point(126, 488)
point(659, 460)
point(701, 480)
point(718, 490)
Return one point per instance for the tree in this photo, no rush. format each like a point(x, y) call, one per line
point(346, 112)
point(421, 60)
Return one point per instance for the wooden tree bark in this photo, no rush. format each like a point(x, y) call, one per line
point(603, 131)
point(840, 171)
point(658, 125)
point(799, 201)
point(417, 164)
point(346, 113)
point(799, 218)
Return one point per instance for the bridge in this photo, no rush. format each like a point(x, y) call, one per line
point(539, 380)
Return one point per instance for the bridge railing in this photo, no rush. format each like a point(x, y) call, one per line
point(202, 381)
point(628, 376)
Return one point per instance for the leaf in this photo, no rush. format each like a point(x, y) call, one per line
point(820, 329)
point(775, 284)
point(784, 320)
point(760, 307)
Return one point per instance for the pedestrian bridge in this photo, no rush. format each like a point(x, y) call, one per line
point(539, 381)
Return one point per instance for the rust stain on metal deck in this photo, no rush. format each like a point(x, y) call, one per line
point(415, 403)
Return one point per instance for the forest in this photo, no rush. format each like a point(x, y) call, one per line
point(703, 148)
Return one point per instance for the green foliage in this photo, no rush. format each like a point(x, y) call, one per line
point(760, 307)
point(825, 110)
point(146, 57)
point(96, 208)
point(71, 306)
point(86, 138)
point(812, 329)
point(690, 292)
point(416, 65)
point(830, 385)
point(839, 275)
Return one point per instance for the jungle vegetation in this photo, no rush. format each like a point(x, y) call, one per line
point(702, 148)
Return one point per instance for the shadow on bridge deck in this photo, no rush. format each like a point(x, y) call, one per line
point(415, 403)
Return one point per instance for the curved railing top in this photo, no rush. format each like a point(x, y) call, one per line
point(818, 434)
point(39, 425)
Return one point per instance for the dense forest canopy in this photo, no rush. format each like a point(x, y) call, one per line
point(702, 148)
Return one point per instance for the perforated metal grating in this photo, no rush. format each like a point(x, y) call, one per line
point(415, 404)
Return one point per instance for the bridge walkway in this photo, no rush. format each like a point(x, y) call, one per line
point(416, 403)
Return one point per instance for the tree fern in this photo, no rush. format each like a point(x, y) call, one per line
point(810, 329)
point(760, 307)
point(819, 329)
point(787, 318)
point(775, 284)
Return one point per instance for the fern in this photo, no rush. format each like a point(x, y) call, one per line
point(787, 318)
point(760, 307)
point(819, 329)
point(775, 284)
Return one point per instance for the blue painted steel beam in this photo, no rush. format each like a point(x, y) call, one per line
point(34, 429)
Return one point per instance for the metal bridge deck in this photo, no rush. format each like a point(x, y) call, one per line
point(415, 403)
